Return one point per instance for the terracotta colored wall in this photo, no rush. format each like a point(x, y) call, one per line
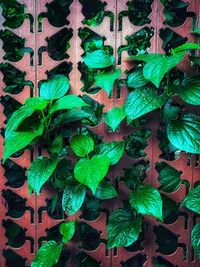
point(36, 72)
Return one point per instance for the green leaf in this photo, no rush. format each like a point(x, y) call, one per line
point(71, 115)
point(189, 90)
point(40, 171)
point(158, 65)
point(185, 47)
point(114, 117)
point(15, 141)
point(67, 102)
point(36, 103)
point(142, 101)
point(73, 198)
point(105, 191)
point(192, 200)
point(123, 228)
point(106, 80)
point(169, 177)
point(56, 145)
point(136, 79)
point(47, 255)
point(147, 200)
point(184, 133)
point(67, 229)
point(17, 118)
point(114, 151)
point(90, 172)
point(55, 87)
point(196, 239)
point(82, 145)
point(98, 59)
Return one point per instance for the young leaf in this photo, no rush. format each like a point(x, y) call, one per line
point(106, 80)
point(136, 79)
point(158, 65)
point(192, 200)
point(15, 141)
point(67, 230)
point(67, 102)
point(123, 228)
point(55, 87)
point(82, 145)
point(90, 172)
point(73, 198)
point(196, 239)
point(40, 171)
point(114, 151)
point(185, 133)
point(98, 59)
point(189, 90)
point(169, 177)
point(114, 117)
point(185, 47)
point(47, 255)
point(147, 200)
point(105, 191)
point(142, 101)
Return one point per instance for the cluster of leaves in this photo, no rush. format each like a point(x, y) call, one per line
point(47, 120)
point(154, 88)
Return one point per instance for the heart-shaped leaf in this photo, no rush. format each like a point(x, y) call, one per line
point(90, 172)
point(98, 59)
point(114, 117)
point(82, 145)
point(184, 133)
point(47, 255)
point(67, 230)
point(147, 200)
point(192, 200)
point(123, 228)
point(54, 88)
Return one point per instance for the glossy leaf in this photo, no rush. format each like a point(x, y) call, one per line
point(123, 228)
point(90, 172)
point(114, 117)
point(98, 59)
point(82, 145)
point(54, 88)
point(147, 200)
point(105, 191)
point(73, 198)
point(40, 171)
point(158, 65)
point(185, 47)
point(189, 90)
point(106, 80)
point(136, 79)
point(196, 239)
point(142, 101)
point(16, 141)
point(36, 103)
point(169, 177)
point(184, 133)
point(47, 255)
point(67, 230)
point(114, 151)
point(67, 102)
point(192, 200)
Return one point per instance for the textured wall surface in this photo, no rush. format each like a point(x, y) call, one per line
point(36, 220)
